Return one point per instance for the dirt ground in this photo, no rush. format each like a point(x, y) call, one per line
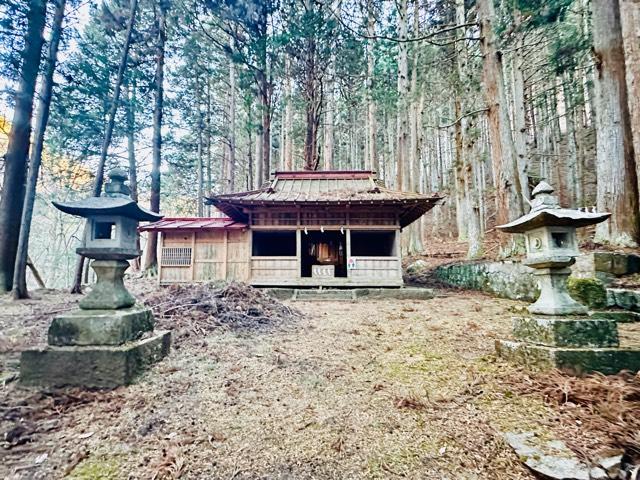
point(372, 389)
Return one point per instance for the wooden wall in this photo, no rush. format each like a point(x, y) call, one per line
point(214, 255)
point(226, 255)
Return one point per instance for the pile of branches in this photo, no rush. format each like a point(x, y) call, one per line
point(603, 406)
point(205, 307)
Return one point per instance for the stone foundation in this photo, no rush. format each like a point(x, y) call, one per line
point(102, 366)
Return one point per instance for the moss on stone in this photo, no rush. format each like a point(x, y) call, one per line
point(588, 291)
point(97, 467)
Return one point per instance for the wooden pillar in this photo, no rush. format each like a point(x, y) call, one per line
point(299, 252)
point(225, 262)
point(348, 251)
point(160, 247)
point(249, 256)
point(398, 249)
point(193, 256)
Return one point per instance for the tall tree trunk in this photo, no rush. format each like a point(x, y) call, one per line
point(509, 200)
point(131, 141)
point(42, 118)
point(261, 175)
point(156, 141)
point(372, 155)
point(201, 152)
point(573, 169)
point(312, 92)
point(329, 113)
point(16, 157)
point(630, 23)
point(616, 169)
point(415, 114)
point(265, 149)
point(288, 118)
point(519, 117)
point(403, 97)
point(106, 142)
point(391, 143)
point(131, 154)
point(231, 136)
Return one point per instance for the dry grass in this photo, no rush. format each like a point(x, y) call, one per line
point(608, 407)
point(376, 389)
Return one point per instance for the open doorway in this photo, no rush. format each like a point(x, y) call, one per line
point(323, 254)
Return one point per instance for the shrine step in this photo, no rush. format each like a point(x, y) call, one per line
point(310, 295)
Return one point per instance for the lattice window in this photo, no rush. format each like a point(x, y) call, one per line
point(372, 218)
point(323, 218)
point(176, 257)
point(274, 218)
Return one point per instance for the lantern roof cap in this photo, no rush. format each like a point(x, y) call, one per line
point(542, 187)
point(546, 212)
point(115, 200)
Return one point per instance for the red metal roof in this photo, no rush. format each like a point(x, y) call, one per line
point(193, 224)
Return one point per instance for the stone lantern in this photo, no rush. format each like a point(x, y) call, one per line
point(559, 333)
point(110, 338)
point(552, 245)
point(110, 239)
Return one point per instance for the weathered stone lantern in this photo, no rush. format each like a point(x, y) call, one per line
point(559, 333)
point(552, 246)
point(110, 338)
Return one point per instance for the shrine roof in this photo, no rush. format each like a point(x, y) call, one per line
point(350, 187)
point(193, 224)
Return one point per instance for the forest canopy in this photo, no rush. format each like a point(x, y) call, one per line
point(476, 99)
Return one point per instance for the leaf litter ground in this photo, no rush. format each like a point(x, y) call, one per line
point(375, 389)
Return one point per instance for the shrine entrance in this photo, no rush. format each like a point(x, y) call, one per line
point(323, 254)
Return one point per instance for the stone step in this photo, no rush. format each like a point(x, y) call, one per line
point(620, 316)
point(315, 294)
point(311, 295)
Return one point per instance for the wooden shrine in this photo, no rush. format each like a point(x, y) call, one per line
point(303, 229)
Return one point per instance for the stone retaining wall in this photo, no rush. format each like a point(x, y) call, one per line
point(504, 279)
point(517, 282)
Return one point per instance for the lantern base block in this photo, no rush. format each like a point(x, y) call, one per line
point(100, 327)
point(560, 331)
point(92, 366)
point(575, 361)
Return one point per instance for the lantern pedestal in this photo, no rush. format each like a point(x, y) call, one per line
point(109, 291)
point(554, 298)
